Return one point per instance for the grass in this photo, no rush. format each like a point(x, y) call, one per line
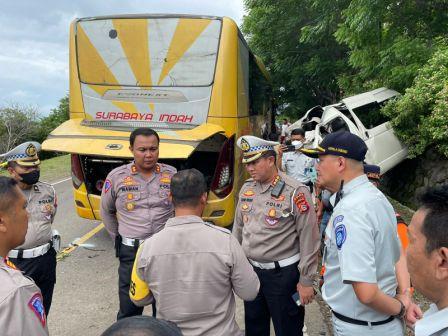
point(52, 169)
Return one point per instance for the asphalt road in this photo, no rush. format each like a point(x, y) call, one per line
point(85, 299)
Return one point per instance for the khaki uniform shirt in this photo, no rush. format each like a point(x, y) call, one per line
point(271, 229)
point(133, 206)
point(193, 268)
point(41, 207)
point(21, 306)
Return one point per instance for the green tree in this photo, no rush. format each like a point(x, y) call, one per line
point(389, 40)
point(18, 124)
point(47, 124)
point(304, 63)
point(420, 117)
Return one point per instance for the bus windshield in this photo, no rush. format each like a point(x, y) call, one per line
point(157, 70)
point(148, 52)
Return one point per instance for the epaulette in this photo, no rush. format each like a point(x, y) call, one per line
point(167, 168)
point(118, 170)
point(291, 182)
point(50, 186)
point(216, 227)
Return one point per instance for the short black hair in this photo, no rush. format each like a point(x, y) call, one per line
point(8, 192)
point(268, 154)
point(298, 131)
point(435, 225)
point(142, 326)
point(187, 187)
point(145, 131)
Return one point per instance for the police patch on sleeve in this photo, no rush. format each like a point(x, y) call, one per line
point(340, 234)
point(107, 185)
point(37, 306)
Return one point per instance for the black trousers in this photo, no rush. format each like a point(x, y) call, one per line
point(42, 270)
point(274, 300)
point(126, 255)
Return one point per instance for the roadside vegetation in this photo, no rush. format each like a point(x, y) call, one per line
point(319, 51)
point(51, 170)
point(20, 123)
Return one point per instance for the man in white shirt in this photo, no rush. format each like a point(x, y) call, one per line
point(284, 130)
point(295, 163)
point(427, 258)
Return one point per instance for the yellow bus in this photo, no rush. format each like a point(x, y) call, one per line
point(191, 78)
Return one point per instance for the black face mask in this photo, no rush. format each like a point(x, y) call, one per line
point(31, 177)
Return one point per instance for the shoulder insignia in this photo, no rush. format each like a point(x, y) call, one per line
point(133, 169)
point(10, 264)
point(216, 227)
point(301, 203)
point(107, 185)
point(36, 305)
point(340, 235)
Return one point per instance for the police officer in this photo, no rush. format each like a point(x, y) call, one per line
point(36, 257)
point(135, 205)
point(192, 268)
point(276, 225)
point(21, 308)
point(361, 243)
point(295, 163)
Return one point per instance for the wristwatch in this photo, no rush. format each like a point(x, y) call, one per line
point(402, 312)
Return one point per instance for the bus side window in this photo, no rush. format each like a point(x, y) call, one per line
point(259, 90)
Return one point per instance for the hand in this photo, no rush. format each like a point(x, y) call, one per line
point(306, 293)
point(413, 314)
point(280, 149)
point(405, 300)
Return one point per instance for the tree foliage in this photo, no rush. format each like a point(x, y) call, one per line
point(304, 64)
point(420, 117)
point(19, 123)
point(319, 50)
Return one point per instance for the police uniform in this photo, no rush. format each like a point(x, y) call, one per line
point(133, 208)
point(192, 269)
point(433, 323)
point(36, 257)
point(298, 166)
point(361, 245)
point(21, 309)
point(277, 227)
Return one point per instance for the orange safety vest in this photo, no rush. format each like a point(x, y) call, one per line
point(402, 229)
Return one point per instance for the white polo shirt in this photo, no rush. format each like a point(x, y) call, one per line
point(298, 166)
point(361, 245)
point(434, 322)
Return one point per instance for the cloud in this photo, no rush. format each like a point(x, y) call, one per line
point(34, 40)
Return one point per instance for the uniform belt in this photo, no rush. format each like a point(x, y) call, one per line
point(30, 253)
point(363, 323)
point(131, 242)
point(281, 263)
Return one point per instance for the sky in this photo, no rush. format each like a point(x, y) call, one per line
point(34, 41)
